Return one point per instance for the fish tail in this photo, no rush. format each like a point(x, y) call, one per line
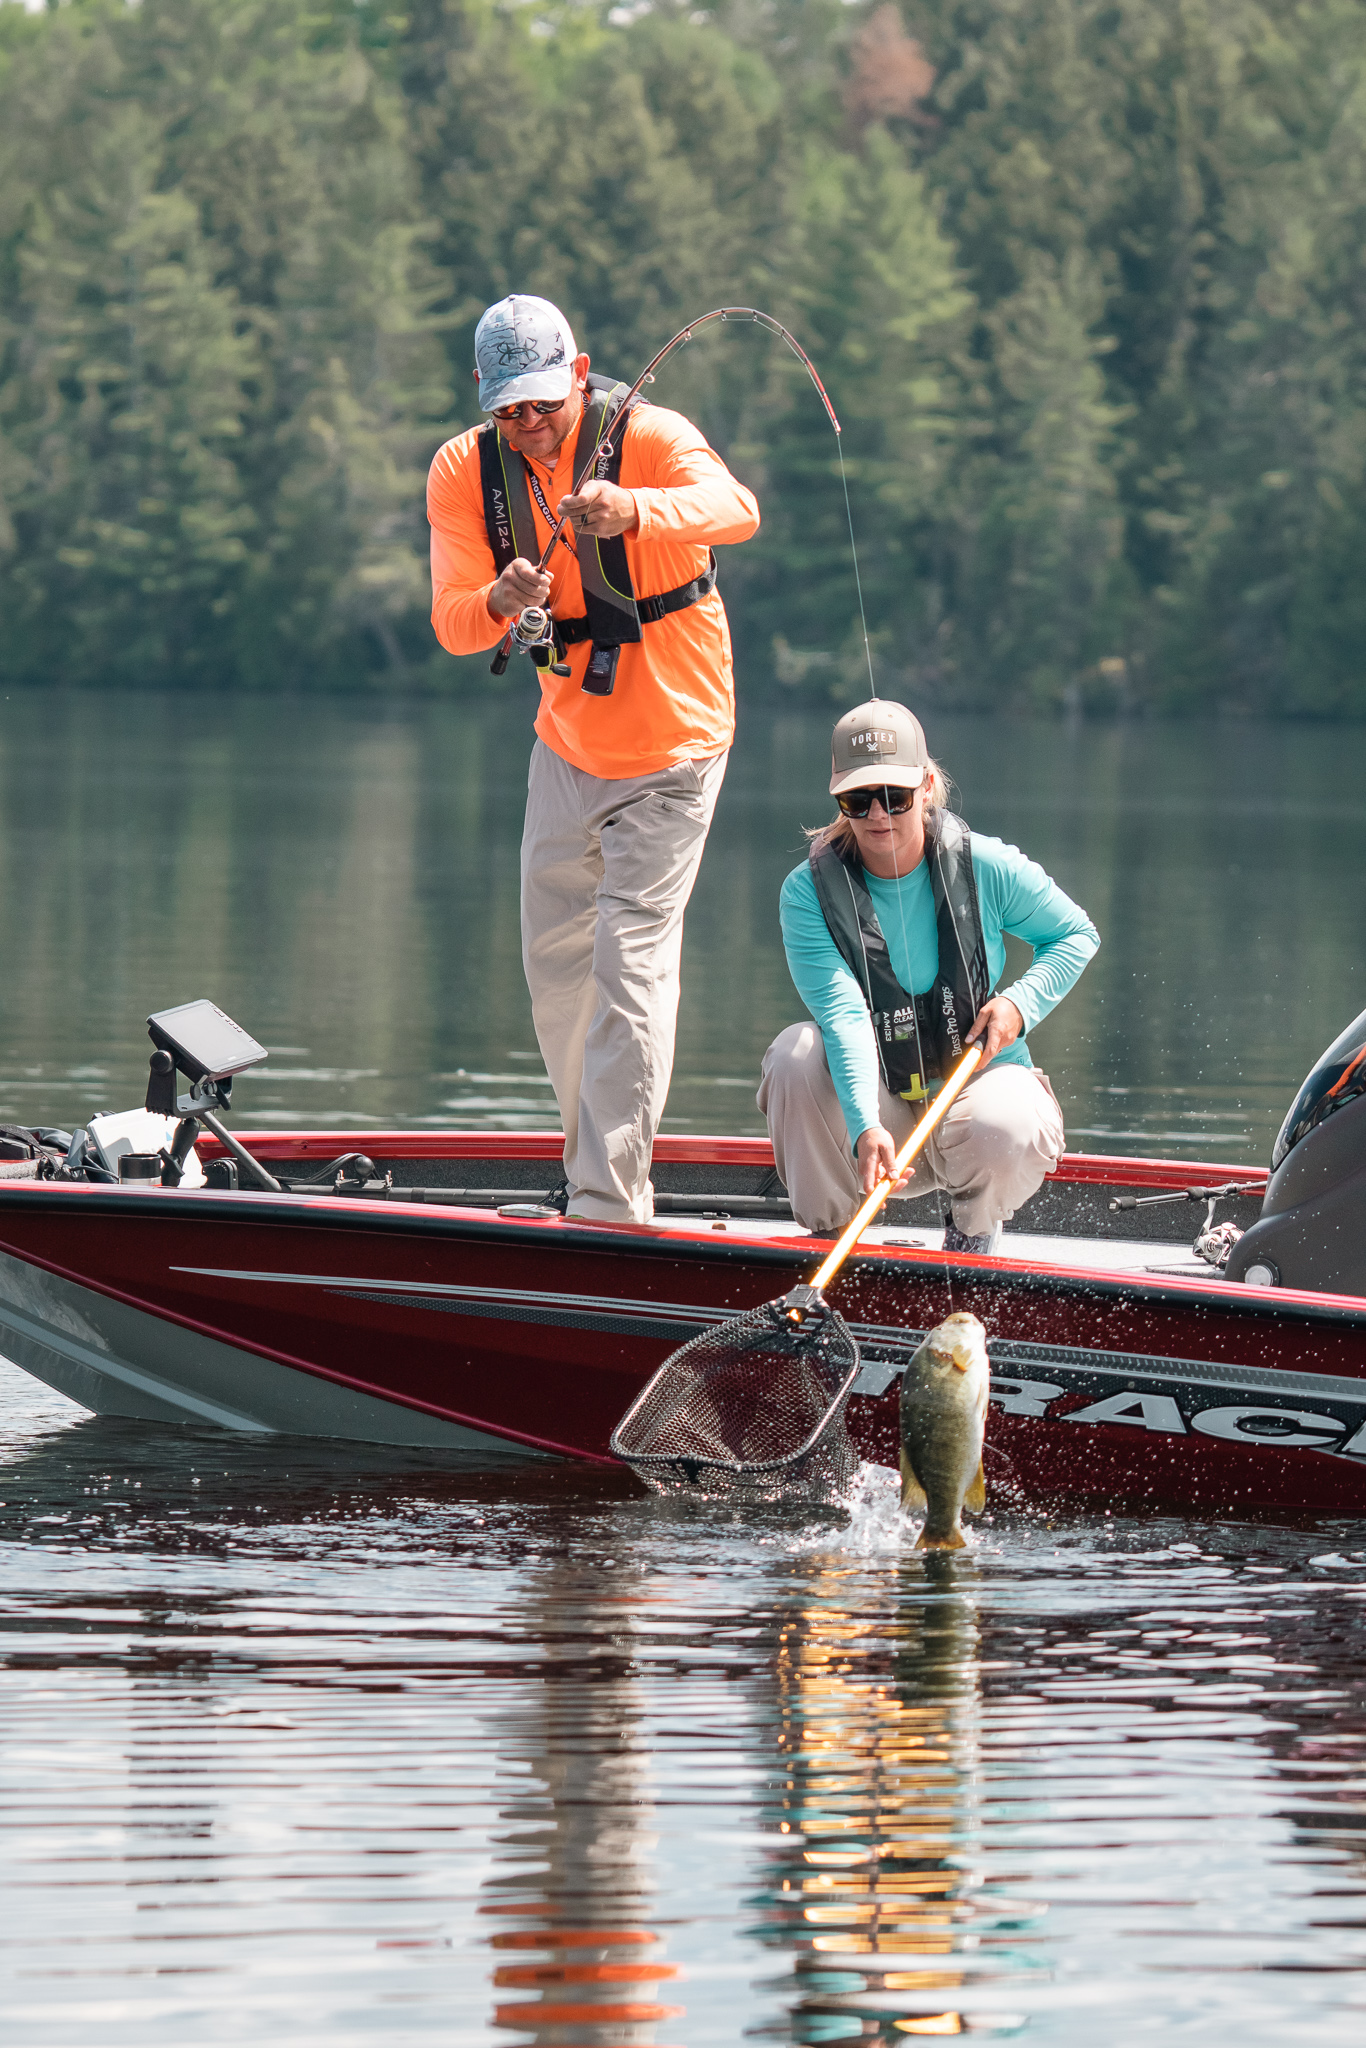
point(955, 1540)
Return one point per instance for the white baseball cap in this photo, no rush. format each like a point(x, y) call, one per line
point(875, 744)
point(523, 348)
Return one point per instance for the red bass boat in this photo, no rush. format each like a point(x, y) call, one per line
point(428, 1291)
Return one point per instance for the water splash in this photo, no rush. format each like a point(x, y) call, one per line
point(876, 1526)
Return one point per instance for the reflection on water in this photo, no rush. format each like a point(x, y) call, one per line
point(878, 1884)
point(342, 876)
point(329, 1745)
point(575, 1877)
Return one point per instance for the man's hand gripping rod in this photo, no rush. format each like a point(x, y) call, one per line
point(535, 634)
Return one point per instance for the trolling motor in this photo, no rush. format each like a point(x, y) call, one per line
point(154, 1145)
point(136, 1145)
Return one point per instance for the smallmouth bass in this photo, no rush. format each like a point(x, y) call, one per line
point(944, 1395)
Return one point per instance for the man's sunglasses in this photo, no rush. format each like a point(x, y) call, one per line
point(856, 803)
point(544, 406)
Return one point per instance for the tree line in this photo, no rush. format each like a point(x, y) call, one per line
point(1083, 278)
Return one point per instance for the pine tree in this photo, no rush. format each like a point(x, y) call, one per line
point(1039, 536)
point(122, 410)
point(218, 387)
point(871, 290)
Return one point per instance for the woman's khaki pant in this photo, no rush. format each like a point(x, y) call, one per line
point(998, 1140)
point(607, 870)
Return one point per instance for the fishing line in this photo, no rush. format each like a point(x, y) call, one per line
point(897, 878)
point(858, 580)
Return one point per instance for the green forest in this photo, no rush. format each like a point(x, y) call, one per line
point(1084, 279)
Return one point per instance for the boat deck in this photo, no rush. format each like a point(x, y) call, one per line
point(1137, 1255)
point(1098, 1254)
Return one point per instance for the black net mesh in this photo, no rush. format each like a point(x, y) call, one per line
point(754, 1407)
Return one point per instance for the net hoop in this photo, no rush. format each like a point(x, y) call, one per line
point(822, 1346)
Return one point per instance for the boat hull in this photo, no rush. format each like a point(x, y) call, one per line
point(118, 1359)
point(460, 1330)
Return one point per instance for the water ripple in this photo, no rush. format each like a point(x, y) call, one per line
point(328, 1744)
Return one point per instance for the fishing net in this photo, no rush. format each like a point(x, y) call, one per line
point(754, 1408)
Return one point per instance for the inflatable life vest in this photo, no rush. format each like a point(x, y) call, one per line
point(918, 1037)
point(613, 614)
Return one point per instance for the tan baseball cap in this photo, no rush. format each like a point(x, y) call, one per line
point(875, 744)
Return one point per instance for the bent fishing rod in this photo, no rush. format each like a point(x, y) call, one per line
point(538, 625)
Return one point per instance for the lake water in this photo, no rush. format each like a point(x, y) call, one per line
point(341, 876)
point(314, 1744)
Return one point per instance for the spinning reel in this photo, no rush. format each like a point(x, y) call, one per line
point(533, 632)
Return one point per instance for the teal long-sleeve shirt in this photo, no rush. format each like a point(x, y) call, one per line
point(1015, 896)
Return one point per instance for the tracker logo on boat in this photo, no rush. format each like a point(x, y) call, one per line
point(1172, 1397)
point(1253, 1422)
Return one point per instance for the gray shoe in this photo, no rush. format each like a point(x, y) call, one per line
point(986, 1242)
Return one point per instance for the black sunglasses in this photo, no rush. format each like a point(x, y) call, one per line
point(856, 803)
point(544, 406)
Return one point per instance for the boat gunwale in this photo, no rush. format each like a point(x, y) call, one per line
point(246, 1205)
point(1095, 1169)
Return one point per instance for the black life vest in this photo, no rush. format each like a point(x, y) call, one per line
point(613, 614)
point(918, 1037)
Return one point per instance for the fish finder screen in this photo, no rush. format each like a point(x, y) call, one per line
point(204, 1042)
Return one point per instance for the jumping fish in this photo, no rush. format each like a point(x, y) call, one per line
point(943, 1422)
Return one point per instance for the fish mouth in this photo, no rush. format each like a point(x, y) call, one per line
point(961, 1349)
point(960, 1357)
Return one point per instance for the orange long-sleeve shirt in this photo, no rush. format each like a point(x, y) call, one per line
point(674, 696)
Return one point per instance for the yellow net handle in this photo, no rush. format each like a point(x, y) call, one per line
point(923, 1131)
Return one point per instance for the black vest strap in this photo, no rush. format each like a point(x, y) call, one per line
point(613, 615)
point(609, 601)
point(918, 1037)
point(507, 501)
point(571, 631)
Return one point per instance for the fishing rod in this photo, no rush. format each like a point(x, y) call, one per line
point(533, 626)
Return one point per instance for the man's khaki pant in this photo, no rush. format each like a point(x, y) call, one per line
point(607, 870)
point(996, 1143)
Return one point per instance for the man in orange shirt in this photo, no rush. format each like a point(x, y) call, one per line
point(631, 741)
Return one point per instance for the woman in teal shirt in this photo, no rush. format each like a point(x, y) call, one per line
point(894, 931)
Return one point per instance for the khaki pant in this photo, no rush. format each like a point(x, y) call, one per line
point(607, 870)
point(998, 1140)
